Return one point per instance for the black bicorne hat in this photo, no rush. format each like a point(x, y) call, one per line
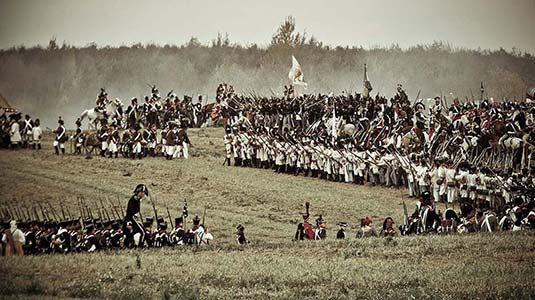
point(196, 220)
point(141, 188)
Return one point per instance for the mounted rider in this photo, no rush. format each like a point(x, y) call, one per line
point(102, 101)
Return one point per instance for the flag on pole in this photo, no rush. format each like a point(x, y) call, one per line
point(296, 74)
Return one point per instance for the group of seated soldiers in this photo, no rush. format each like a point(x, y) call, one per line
point(90, 235)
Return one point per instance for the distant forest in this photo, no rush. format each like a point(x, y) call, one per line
point(63, 80)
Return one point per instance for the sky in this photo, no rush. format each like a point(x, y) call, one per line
point(485, 24)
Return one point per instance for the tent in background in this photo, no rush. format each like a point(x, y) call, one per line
point(5, 105)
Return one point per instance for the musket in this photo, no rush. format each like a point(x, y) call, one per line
point(54, 216)
point(120, 206)
point(17, 211)
point(13, 213)
point(99, 213)
point(63, 212)
point(81, 208)
point(417, 95)
point(169, 216)
point(155, 211)
point(36, 214)
point(105, 211)
point(68, 213)
point(45, 217)
point(114, 212)
point(405, 214)
point(28, 213)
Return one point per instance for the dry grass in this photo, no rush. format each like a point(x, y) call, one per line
point(477, 266)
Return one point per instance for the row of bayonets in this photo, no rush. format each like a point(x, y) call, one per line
point(44, 211)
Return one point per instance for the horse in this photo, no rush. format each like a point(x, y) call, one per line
point(90, 142)
point(96, 117)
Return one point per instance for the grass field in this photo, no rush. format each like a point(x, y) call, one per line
point(272, 266)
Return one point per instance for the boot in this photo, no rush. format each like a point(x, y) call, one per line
point(57, 150)
point(62, 151)
point(116, 154)
point(103, 153)
point(140, 155)
point(34, 146)
point(110, 154)
point(39, 146)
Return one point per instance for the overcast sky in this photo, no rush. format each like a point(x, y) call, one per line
point(488, 24)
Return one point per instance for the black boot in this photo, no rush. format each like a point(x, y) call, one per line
point(116, 154)
point(62, 150)
point(57, 150)
point(34, 146)
point(39, 146)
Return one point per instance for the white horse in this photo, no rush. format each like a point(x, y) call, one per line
point(95, 117)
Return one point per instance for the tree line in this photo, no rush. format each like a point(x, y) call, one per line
point(63, 79)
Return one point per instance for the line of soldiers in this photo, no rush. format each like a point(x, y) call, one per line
point(427, 219)
point(89, 234)
point(155, 111)
point(171, 142)
point(466, 154)
point(17, 132)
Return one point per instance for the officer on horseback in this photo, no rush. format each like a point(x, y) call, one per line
point(102, 101)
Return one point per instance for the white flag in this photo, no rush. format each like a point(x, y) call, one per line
point(296, 74)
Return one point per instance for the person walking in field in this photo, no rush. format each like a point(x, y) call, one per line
point(132, 213)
